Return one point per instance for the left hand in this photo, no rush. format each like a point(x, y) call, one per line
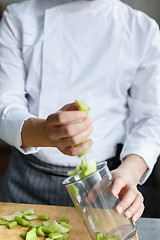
point(132, 202)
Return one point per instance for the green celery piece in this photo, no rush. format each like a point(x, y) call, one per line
point(23, 235)
point(2, 222)
point(57, 227)
point(48, 239)
point(21, 221)
point(11, 217)
point(43, 217)
point(39, 231)
point(33, 225)
point(66, 220)
point(82, 106)
point(111, 237)
point(12, 224)
point(74, 172)
point(73, 189)
point(65, 236)
point(55, 235)
point(31, 234)
point(88, 150)
point(83, 167)
point(91, 167)
point(66, 225)
point(30, 217)
point(29, 211)
point(47, 230)
point(45, 224)
point(100, 236)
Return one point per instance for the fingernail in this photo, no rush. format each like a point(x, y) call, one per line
point(134, 218)
point(128, 214)
point(114, 192)
point(120, 209)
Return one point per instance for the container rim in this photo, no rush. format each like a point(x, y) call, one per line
point(103, 164)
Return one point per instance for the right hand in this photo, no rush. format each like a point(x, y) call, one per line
point(69, 127)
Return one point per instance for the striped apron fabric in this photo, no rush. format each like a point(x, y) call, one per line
point(29, 180)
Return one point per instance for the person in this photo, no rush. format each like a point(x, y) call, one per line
point(102, 52)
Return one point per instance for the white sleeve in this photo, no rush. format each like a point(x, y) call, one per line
point(13, 101)
point(144, 105)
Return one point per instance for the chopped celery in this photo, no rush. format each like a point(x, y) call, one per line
point(39, 231)
point(102, 236)
point(66, 225)
point(12, 224)
point(82, 106)
point(74, 172)
point(43, 217)
point(111, 237)
point(31, 235)
point(83, 167)
point(21, 221)
point(47, 229)
point(45, 224)
point(2, 222)
point(65, 236)
point(33, 225)
point(23, 235)
point(29, 211)
point(66, 220)
point(91, 167)
point(73, 189)
point(11, 217)
point(30, 217)
point(57, 227)
point(55, 235)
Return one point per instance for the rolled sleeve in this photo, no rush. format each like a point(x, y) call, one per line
point(143, 137)
point(13, 101)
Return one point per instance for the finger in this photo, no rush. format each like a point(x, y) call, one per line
point(76, 139)
point(126, 201)
point(62, 118)
point(78, 150)
point(117, 186)
point(70, 107)
point(70, 130)
point(135, 206)
point(137, 214)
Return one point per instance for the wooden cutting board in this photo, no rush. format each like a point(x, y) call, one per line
point(78, 232)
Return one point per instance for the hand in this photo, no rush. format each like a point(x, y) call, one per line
point(69, 127)
point(132, 202)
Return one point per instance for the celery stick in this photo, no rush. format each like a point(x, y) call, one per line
point(91, 167)
point(66, 225)
point(11, 217)
point(82, 106)
point(73, 189)
point(12, 224)
point(23, 235)
point(66, 220)
point(31, 235)
point(30, 217)
point(2, 222)
point(21, 221)
point(29, 211)
point(83, 167)
point(65, 236)
point(55, 235)
point(47, 229)
point(73, 172)
point(43, 217)
point(39, 231)
point(45, 224)
point(33, 225)
point(57, 227)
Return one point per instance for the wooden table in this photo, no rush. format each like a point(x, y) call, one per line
point(78, 232)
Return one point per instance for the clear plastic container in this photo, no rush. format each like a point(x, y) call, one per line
point(96, 205)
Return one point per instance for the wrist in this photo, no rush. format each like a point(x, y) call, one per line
point(135, 166)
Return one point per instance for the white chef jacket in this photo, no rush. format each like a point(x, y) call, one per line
point(101, 52)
